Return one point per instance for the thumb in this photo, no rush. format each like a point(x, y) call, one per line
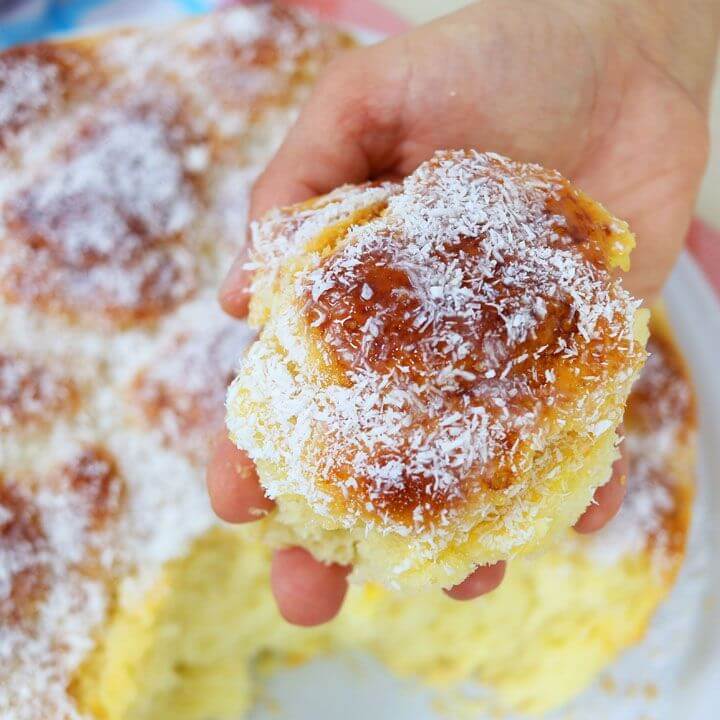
point(348, 132)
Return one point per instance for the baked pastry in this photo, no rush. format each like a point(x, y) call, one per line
point(190, 646)
point(442, 366)
point(561, 616)
point(125, 165)
point(121, 596)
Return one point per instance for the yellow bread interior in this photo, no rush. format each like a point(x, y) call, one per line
point(189, 648)
point(193, 647)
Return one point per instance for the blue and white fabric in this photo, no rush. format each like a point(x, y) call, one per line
point(23, 21)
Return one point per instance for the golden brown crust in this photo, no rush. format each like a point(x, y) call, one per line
point(94, 478)
point(181, 392)
point(663, 408)
point(108, 220)
point(31, 394)
point(22, 546)
point(41, 79)
point(104, 222)
point(281, 50)
point(452, 324)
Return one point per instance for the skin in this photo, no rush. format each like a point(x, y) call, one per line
point(613, 94)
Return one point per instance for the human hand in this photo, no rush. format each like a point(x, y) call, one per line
point(611, 94)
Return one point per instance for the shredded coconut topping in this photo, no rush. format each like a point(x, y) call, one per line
point(284, 233)
point(125, 170)
point(660, 416)
point(268, 41)
point(123, 182)
point(450, 317)
point(183, 388)
point(103, 225)
point(29, 393)
point(55, 556)
point(116, 214)
point(27, 86)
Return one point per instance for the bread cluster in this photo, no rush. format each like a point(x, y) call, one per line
point(198, 640)
point(126, 161)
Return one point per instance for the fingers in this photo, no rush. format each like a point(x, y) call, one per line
point(235, 491)
point(483, 580)
point(607, 500)
point(307, 591)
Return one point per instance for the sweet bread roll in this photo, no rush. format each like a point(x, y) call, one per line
point(121, 596)
point(561, 615)
point(442, 366)
point(126, 160)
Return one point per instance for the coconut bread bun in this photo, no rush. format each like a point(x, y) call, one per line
point(442, 366)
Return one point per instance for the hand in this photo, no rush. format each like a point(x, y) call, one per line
point(613, 94)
